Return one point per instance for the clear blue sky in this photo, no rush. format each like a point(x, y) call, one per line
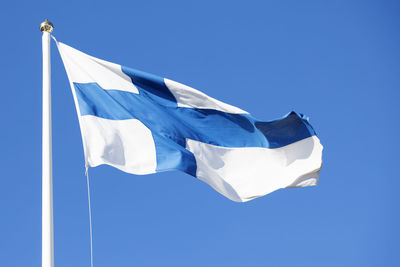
point(336, 61)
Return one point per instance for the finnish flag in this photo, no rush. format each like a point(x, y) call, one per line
point(141, 124)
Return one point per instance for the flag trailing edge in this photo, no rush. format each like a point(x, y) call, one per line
point(141, 123)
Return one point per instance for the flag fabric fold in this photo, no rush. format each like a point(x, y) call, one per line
point(141, 123)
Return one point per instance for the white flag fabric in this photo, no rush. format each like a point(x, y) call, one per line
point(141, 124)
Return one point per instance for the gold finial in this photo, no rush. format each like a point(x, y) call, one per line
point(46, 26)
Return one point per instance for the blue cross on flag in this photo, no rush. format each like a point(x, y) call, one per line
point(141, 124)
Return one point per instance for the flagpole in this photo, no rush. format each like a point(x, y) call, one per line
point(47, 177)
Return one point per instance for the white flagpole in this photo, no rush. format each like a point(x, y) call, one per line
point(47, 177)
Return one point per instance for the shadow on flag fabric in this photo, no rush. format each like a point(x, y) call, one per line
point(141, 124)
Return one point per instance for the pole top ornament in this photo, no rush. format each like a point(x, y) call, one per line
point(46, 26)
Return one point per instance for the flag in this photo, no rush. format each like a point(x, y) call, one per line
point(141, 123)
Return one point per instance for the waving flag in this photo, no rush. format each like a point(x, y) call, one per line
point(141, 123)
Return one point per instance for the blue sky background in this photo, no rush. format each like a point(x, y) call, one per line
point(336, 61)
